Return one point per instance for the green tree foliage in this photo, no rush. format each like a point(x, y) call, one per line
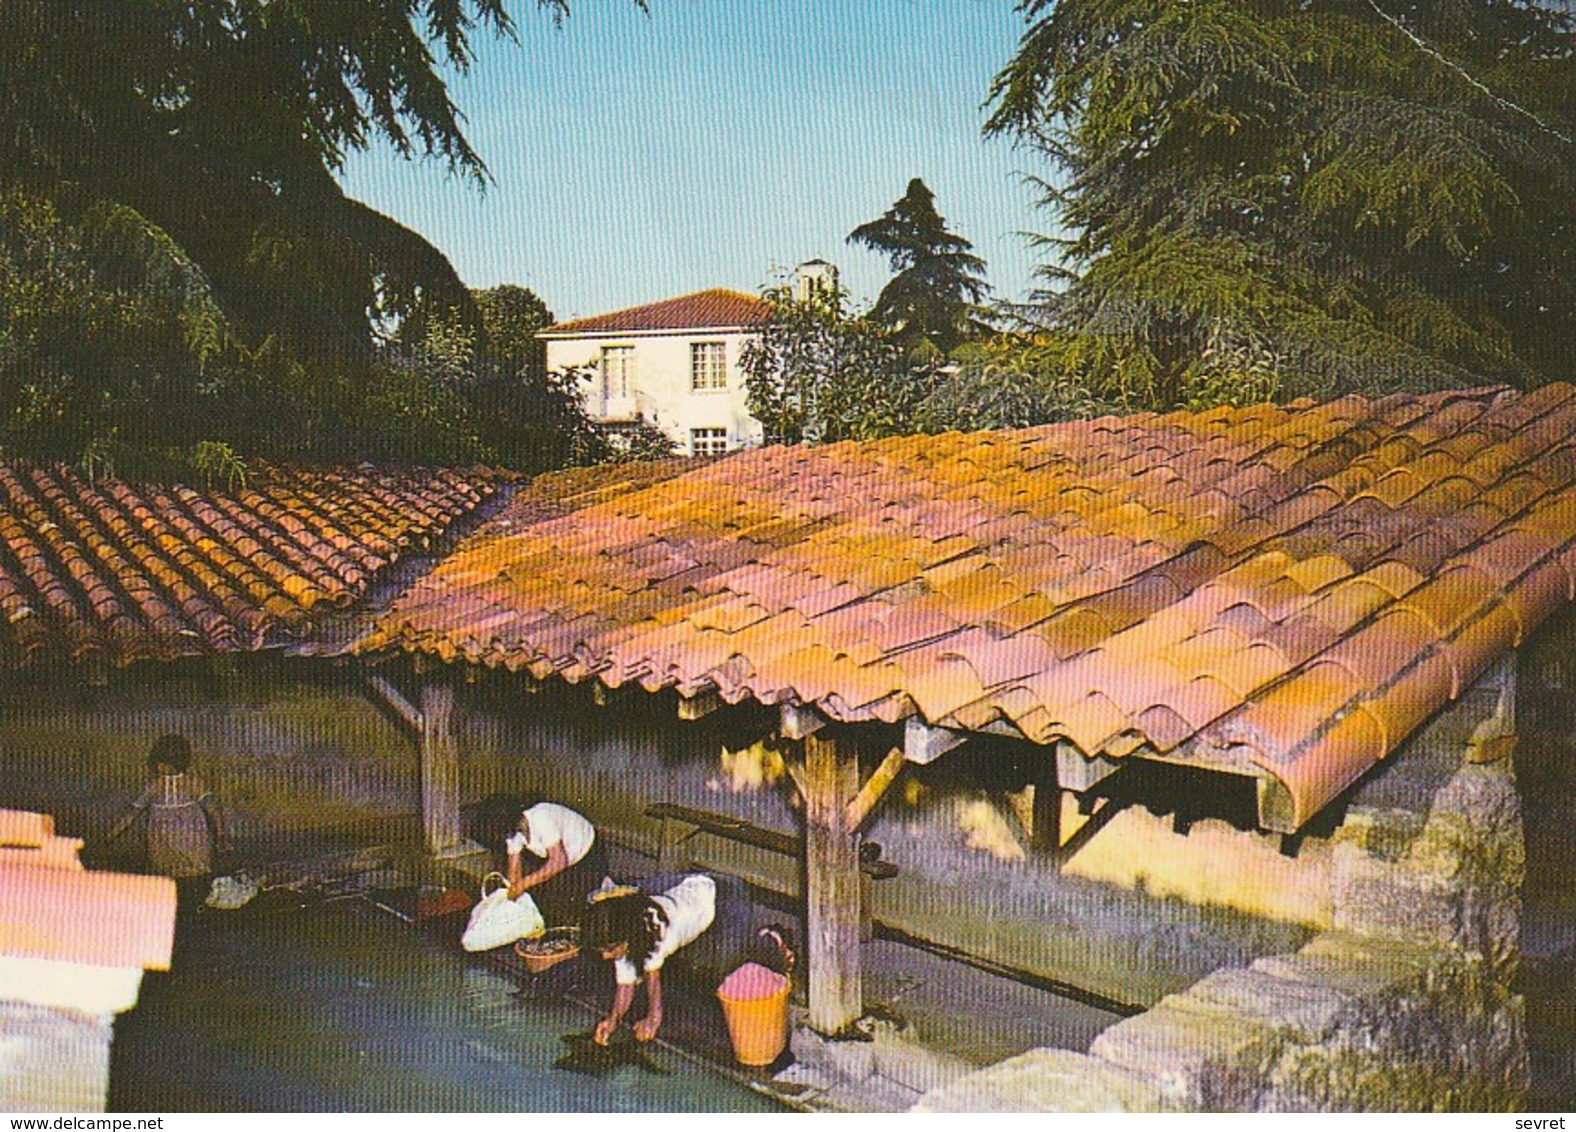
point(527, 418)
point(639, 441)
point(223, 124)
point(815, 374)
point(933, 298)
point(113, 351)
point(443, 395)
point(1301, 196)
point(115, 355)
point(818, 374)
point(179, 266)
point(622, 442)
point(1001, 382)
point(512, 317)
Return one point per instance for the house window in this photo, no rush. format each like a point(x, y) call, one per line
point(708, 369)
point(708, 441)
point(618, 367)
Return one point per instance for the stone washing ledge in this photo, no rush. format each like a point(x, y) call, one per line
point(1345, 1023)
point(1047, 1080)
point(888, 1072)
point(1405, 1006)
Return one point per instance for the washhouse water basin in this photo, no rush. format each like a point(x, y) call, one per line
point(339, 1007)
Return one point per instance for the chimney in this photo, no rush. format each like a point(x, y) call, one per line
point(813, 277)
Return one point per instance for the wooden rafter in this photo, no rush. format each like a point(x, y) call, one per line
point(395, 700)
point(875, 788)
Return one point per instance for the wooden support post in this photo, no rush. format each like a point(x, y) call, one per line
point(440, 768)
point(670, 848)
point(1045, 832)
point(831, 774)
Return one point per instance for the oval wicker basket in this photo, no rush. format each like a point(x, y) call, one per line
point(564, 943)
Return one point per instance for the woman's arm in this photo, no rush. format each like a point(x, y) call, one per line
point(214, 812)
point(647, 1027)
point(122, 824)
point(557, 861)
point(623, 997)
point(138, 806)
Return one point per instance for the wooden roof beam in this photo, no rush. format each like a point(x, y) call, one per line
point(800, 721)
point(1277, 811)
point(1078, 772)
point(700, 705)
point(924, 744)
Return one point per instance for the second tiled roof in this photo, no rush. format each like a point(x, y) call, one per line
point(128, 571)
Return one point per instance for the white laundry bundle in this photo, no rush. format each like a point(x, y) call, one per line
point(230, 893)
point(496, 920)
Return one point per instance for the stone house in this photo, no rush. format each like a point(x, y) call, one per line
point(673, 364)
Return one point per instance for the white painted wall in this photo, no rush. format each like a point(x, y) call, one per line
point(660, 384)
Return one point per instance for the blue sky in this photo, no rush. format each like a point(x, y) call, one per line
point(639, 157)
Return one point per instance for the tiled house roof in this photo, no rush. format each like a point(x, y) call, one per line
point(1285, 592)
point(716, 309)
point(119, 571)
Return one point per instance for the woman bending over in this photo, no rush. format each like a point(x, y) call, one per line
point(566, 859)
point(708, 916)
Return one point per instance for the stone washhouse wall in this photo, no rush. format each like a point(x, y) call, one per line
point(1407, 1003)
point(290, 747)
point(53, 1060)
point(1546, 773)
point(295, 747)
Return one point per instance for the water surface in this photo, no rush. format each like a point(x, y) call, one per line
point(340, 1007)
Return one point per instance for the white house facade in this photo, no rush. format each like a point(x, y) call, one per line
point(674, 364)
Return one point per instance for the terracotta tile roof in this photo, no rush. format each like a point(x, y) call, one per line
point(558, 494)
point(1288, 591)
point(120, 571)
point(716, 309)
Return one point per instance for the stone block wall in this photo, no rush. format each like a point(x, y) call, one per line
point(1405, 1005)
point(52, 1060)
point(1348, 1022)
